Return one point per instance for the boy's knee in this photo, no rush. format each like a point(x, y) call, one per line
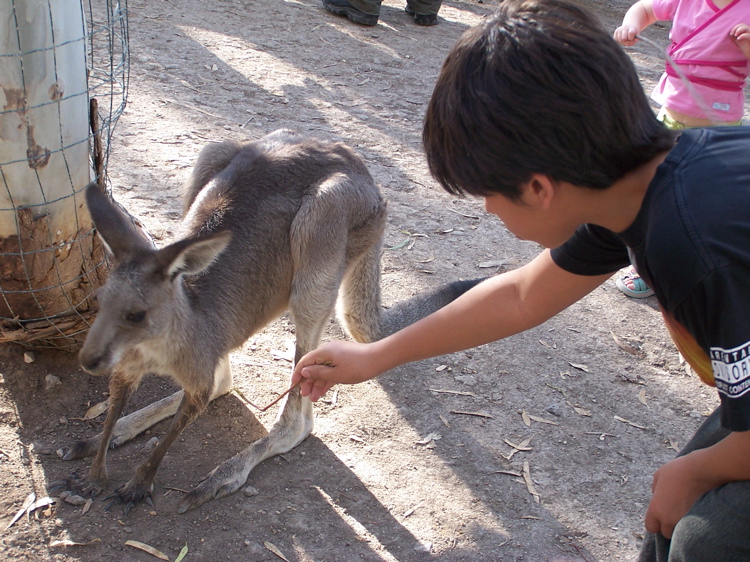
point(715, 528)
point(691, 535)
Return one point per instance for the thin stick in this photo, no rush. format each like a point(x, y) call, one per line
point(295, 385)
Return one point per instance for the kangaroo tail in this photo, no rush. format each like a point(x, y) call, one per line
point(411, 310)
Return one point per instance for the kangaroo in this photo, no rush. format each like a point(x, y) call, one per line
point(281, 223)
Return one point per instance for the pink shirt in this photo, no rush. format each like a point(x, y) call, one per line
point(705, 53)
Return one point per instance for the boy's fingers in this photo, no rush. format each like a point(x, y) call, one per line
point(316, 372)
point(319, 389)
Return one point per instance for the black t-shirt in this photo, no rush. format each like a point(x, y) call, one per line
point(691, 243)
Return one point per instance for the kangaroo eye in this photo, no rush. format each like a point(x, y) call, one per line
point(135, 317)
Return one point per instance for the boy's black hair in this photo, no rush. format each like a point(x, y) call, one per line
point(540, 87)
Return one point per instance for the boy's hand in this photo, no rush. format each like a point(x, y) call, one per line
point(675, 488)
point(741, 34)
point(626, 35)
point(334, 362)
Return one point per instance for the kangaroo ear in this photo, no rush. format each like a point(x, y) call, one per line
point(115, 228)
point(192, 255)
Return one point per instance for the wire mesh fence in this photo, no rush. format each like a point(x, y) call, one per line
point(63, 84)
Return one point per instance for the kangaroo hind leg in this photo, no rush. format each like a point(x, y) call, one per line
point(319, 255)
point(295, 420)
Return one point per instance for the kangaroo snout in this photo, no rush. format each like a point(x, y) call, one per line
point(94, 364)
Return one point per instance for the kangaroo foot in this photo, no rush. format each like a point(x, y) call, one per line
point(90, 486)
point(130, 494)
point(84, 448)
point(226, 479)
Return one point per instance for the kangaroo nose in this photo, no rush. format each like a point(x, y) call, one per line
point(90, 364)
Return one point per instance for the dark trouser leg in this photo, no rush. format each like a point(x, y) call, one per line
point(371, 7)
point(424, 6)
point(717, 527)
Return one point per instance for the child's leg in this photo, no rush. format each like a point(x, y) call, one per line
point(716, 526)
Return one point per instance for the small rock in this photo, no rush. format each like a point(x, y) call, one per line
point(249, 491)
point(51, 381)
point(423, 546)
point(74, 499)
point(555, 410)
point(150, 445)
point(41, 449)
point(468, 380)
point(29, 357)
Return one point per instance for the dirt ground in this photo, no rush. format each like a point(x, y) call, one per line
point(418, 464)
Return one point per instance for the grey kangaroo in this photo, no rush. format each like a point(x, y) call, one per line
point(282, 223)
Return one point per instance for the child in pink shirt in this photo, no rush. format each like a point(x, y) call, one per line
point(712, 51)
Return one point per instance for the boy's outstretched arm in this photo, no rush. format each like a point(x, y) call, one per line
point(497, 308)
point(637, 18)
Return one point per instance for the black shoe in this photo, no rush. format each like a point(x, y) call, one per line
point(344, 8)
point(421, 19)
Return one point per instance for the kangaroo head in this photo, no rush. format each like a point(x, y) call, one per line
point(142, 299)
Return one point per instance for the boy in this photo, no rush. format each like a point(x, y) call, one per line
point(541, 113)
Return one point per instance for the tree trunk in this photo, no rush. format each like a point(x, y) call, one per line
point(50, 261)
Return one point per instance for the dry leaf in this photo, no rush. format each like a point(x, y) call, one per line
point(673, 445)
point(525, 418)
point(273, 548)
point(508, 472)
point(524, 446)
point(580, 411)
point(430, 437)
point(458, 392)
point(96, 410)
point(44, 502)
point(623, 420)
point(357, 439)
point(622, 344)
point(67, 542)
point(487, 264)
point(26, 503)
point(479, 414)
point(600, 434)
point(583, 368)
point(542, 420)
point(463, 214)
point(412, 510)
point(441, 368)
point(147, 548)
point(182, 554)
point(445, 421)
point(642, 397)
point(87, 506)
point(399, 246)
point(529, 482)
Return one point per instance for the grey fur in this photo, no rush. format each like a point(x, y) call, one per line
point(283, 223)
